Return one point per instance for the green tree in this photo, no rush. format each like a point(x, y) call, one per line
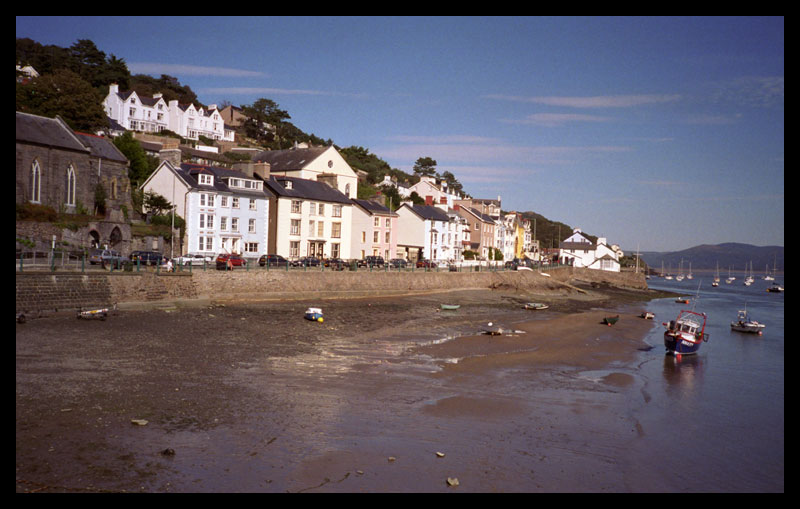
point(425, 166)
point(63, 93)
point(141, 165)
point(265, 121)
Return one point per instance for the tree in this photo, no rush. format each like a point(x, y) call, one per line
point(425, 166)
point(65, 94)
point(265, 121)
point(156, 204)
point(141, 165)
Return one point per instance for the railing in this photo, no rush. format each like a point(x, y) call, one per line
point(70, 261)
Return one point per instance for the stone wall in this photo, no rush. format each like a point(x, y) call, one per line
point(44, 291)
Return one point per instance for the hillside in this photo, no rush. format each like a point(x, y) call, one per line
point(729, 255)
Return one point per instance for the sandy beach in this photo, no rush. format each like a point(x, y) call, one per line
point(386, 395)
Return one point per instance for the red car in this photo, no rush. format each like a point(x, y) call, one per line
point(226, 261)
point(426, 264)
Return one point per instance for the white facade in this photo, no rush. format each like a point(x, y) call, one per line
point(429, 229)
point(579, 251)
point(153, 115)
point(225, 211)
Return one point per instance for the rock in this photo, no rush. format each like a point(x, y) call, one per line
point(452, 481)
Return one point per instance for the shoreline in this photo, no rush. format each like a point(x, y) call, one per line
point(279, 403)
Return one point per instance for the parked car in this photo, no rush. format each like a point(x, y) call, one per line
point(426, 264)
point(398, 263)
point(335, 263)
point(516, 263)
point(307, 261)
point(273, 260)
point(193, 259)
point(371, 261)
point(106, 256)
point(235, 260)
point(147, 257)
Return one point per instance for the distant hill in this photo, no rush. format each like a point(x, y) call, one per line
point(728, 255)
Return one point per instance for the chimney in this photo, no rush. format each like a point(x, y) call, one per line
point(429, 200)
point(252, 169)
point(113, 88)
point(173, 155)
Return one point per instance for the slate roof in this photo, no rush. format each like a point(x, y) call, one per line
point(289, 159)
point(189, 172)
point(102, 147)
point(52, 132)
point(305, 189)
point(429, 212)
point(374, 207)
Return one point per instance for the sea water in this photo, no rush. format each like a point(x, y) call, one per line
point(714, 421)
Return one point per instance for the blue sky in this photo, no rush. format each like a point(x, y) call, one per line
point(657, 133)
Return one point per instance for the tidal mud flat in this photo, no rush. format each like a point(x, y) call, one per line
point(385, 395)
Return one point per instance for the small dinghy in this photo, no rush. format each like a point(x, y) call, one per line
point(313, 314)
point(611, 320)
point(535, 306)
point(450, 307)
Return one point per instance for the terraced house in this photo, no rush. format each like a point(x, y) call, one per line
point(226, 211)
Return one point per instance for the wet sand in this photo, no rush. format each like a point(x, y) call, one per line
point(386, 395)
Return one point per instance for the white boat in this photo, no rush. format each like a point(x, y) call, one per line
point(313, 314)
point(745, 324)
point(715, 282)
point(748, 279)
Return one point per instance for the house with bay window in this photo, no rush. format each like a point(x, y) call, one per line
point(308, 218)
point(226, 211)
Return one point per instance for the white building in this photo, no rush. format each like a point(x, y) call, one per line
point(579, 251)
point(226, 211)
point(322, 164)
point(425, 233)
point(154, 114)
point(308, 218)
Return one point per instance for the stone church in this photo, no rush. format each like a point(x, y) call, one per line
point(61, 169)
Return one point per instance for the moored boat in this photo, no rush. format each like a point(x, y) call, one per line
point(686, 333)
point(535, 305)
point(775, 288)
point(450, 307)
point(648, 315)
point(313, 314)
point(611, 320)
point(744, 323)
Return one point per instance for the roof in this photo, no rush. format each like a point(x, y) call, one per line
point(429, 212)
point(52, 132)
point(102, 147)
point(374, 207)
point(289, 159)
point(305, 189)
point(483, 217)
point(189, 172)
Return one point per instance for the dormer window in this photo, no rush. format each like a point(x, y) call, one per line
point(205, 179)
point(287, 184)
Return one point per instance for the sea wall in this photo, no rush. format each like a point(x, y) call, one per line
point(44, 291)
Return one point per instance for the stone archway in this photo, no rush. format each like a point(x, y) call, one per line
point(94, 239)
point(115, 237)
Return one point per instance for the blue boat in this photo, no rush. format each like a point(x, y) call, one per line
point(313, 314)
point(685, 334)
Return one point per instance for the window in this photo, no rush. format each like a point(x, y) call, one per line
point(296, 206)
point(234, 224)
point(312, 209)
point(70, 186)
point(223, 223)
point(36, 182)
point(206, 180)
point(311, 225)
point(252, 205)
point(207, 221)
point(294, 248)
point(251, 247)
point(334, 250)
point(295, 227)
point(376, 236)
point(321, 208)
point(321, 229)
point(251, 225)
point(376, 222)
point(205, 243)
point(336, 231)
point(337, 211)
point(388, 223)
point(388, 238)
point(223, 201)
point(206, 200)
point(235, 202)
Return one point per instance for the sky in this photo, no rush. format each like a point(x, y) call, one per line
point(657, 133)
